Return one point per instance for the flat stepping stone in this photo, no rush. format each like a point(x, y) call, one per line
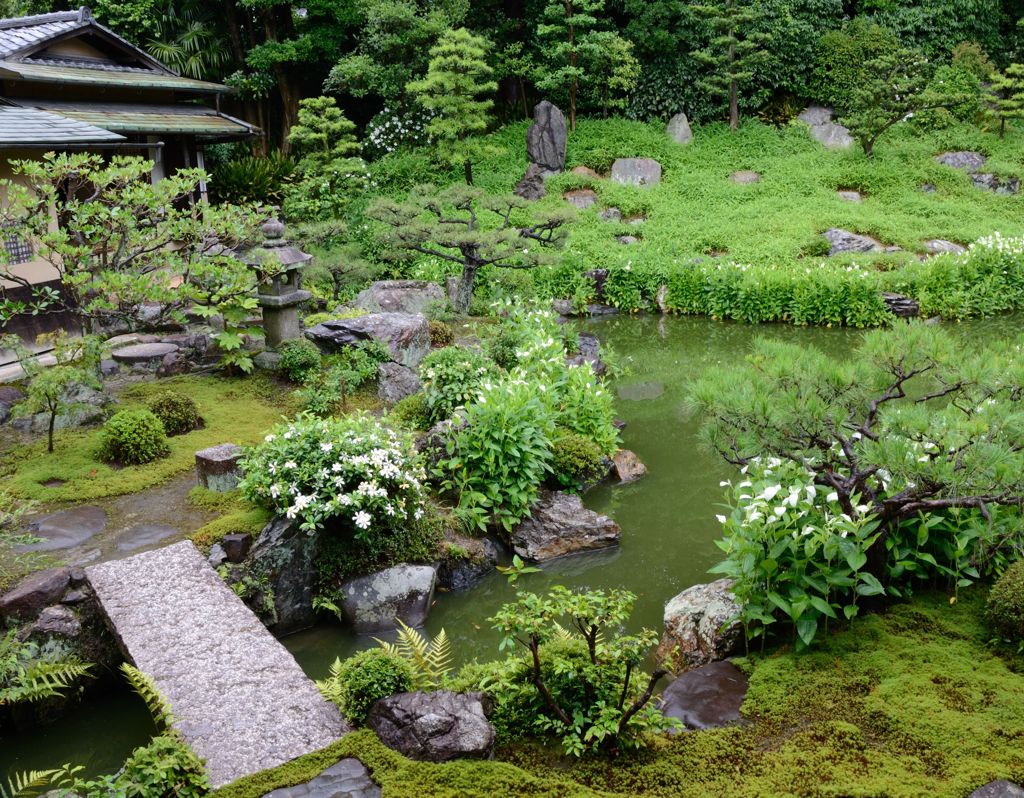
point(744, 177)
point(640, 391)
point(707, 697)
point(142, 535)
point(850, 196)
point(582, 198)
point(347, 779)
point(143, 353)
point(239, 698)
point(67, 528)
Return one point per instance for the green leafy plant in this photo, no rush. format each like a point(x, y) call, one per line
point(1006, 93)
point(300, 359)
point(27, 673)
point(352, 472)
point(356, 683)
point(430, 661)
point(1005, 609)
point(452, 378)
point(576, 461)
point(347, 370)
point(157, 704)
point(133, 437)
point(178, 412)
point(252, 178)
point(411, 412)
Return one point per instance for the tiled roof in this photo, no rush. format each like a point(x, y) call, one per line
point(82, 76)
point(21, 32)
point(29, 127)
point(148, 119)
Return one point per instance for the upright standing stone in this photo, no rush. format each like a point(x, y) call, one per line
point(678, 129)
point(217, 468)
point(546, 137)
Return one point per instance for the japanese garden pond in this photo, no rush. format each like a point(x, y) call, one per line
point(667, 519)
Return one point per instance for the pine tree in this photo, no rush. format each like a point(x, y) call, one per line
point(734, 51)
point(323, 134)
point(456, 77)
point(571, 46)
point(1007, 95)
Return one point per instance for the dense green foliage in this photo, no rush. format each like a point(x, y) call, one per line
point(576, 461)
point(178, 412)
point(452, 378)
point(300, 359)
point(357, 682)
point(133, 437)
point(865, 476)
point(30, 673)
point(326, 391)
point(411, 412)
point(1005, 611)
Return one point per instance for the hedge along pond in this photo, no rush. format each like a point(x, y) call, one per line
point(667, 519)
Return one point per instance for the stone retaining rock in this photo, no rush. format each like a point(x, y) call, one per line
point(457, 574)
point(86, 406)
point(406, 335)
point(627, 467)
point(376, 602)
point(678, 129)
point(395, 382)
point(904, 307)
point(26, 599)
point(349, 778)
point(589, 352)
point(707, 697)
point(1000, 185)
point(586, 171)
point(433, 727)
point(641, 172)
point(558, 525)
point(697, 627)
point(284, 556)
point(400, 296)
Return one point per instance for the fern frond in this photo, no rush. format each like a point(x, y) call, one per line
point(430, 660)
point(330, 688)
point(22, 785)
point(158, 705)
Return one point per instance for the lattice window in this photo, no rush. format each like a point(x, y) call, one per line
point(16, 248)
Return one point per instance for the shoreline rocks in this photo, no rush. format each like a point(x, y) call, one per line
point(375, 602)
point(559, 525)
point(698, 628)
point(434, 727)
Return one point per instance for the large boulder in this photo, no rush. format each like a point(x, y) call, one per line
point(678, 129)
point(636, 171)
point(85, 405)
point(33, 593)
point(706, 697)
point(559, 524)
point(967, 160)
point(476, 559)
point(998, 789)
point(395, 382)
point(546, 138)
point(283, 558)
point(400, 296)
point(407, 335)
point(824, 129)
point(699, 628)
point(1000, 185)
point(376, 602)
point(627, 467)
point(433, 727)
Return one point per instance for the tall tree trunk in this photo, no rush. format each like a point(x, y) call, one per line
point(734, 98)
point(464, 292)
point(468, 166)
point(49, 431)
point(277, 24)
point(522, 96)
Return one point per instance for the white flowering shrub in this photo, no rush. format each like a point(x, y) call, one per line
point(391, 129)
point(349, 471)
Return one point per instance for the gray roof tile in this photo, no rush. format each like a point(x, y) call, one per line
point(27, 127)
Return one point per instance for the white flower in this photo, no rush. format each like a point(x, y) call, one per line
point(770, 492)
point(780, 510)
point(269, 438)
point(362, 519)
point(720, 519)
point(832, 497)
point(345, 500)
point(326, 447)
point(291, 464)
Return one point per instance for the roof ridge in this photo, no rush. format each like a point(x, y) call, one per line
point(82, 14)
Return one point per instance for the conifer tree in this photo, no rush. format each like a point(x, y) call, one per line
point(456, 77)
point(323, 134)
point(733, 52)
point(1007, 94)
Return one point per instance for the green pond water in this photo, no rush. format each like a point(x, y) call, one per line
point(667, 519)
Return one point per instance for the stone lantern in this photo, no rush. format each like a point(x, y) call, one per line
point(279, 296)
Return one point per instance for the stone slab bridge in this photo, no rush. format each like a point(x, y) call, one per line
point(237, 695)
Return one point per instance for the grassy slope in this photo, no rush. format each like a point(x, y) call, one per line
point(697, 210)
point(904, 705)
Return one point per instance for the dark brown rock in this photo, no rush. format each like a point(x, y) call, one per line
point(433, 727)
point(627, 467)
point(707, 697)
point(236, 546)
point(904, 307)
point(34, 592)
point(559, 524)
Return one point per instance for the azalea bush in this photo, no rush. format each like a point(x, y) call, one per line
point(352, 471)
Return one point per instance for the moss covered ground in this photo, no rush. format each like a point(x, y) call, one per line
point(906, 704)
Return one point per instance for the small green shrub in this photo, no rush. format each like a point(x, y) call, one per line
point(347, 370)
point(1005, 610)
point(164, 768)
point(300, 359)
point(441, 334)
point(178, 412)
point(357, 682)
point(502, 345)
point(452, 378)
point(411, 412)
point(576, 461)
point(251, 179)
point(133, 437)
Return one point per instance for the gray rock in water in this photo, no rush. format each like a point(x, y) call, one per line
point(627, 467)
point(376, 602)
point(998, 789)
point(697, 628)
point(457, 574)
point(938, 246)
point(142, 535)
point(707, 697)
point(433, 727)
point(845, 241)
point(400, 296)
point(531, 184)
point(558, 525)
point(904, 307)
point(581, 198)
point(284, 556)
point(395, 382)
point(641, 391)
point(589, 352)
point(349, 778)
point(745, 177)
point(642, 172)
point(967, 160)
point(407, 335)
point(546, 137)
point(67, 528)
point(34, 592)
point(678, 129)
